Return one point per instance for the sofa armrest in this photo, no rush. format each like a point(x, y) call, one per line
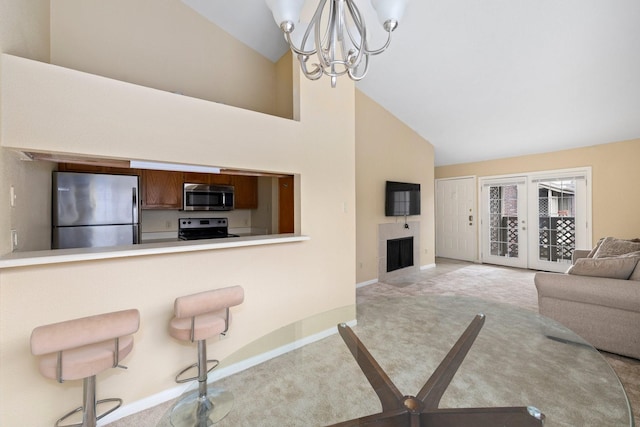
point(579, 253)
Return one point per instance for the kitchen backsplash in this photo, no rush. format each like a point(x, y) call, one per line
point(160, 221)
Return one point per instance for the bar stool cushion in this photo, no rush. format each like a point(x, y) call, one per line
point(85, 361)
point(205, 326)
point(208, 310)
point(87, 344)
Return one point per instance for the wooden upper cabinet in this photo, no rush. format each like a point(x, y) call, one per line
point(73, 167)
point(219, 179)
point(246, 191)
point(195, 178)
point(78, 167)
point(161, 189)
point(206, 178)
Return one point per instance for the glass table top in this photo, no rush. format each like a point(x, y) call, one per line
point(518, 359)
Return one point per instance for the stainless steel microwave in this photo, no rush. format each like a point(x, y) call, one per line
point(204, 197)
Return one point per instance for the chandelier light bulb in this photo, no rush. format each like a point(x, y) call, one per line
point(285, 12)
point(389, 10)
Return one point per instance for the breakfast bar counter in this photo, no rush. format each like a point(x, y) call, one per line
point(20, 259)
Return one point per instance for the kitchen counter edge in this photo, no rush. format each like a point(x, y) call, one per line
point(24, 259)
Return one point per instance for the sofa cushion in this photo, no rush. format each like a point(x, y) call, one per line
point(595, 248)
point(611, 247)
point(636, 273)
point(613, 268)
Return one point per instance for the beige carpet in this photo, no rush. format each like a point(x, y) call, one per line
point(449, 278)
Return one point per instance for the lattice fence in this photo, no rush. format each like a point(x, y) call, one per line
point(557, 238)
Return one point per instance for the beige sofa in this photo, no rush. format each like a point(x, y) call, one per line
point(604, 310)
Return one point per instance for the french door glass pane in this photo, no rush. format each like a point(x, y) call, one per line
point(556, 219)
point(503, 220)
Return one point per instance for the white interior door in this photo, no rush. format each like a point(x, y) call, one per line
point(504, 221)
point(456, 225)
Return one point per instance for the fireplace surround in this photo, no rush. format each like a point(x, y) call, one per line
point(394, 231)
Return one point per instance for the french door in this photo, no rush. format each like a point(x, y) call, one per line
point(560, 206)
point(504, 221)
point(536, 220)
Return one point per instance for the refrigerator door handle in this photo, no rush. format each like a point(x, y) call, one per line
point(134, 205)
point(134, 215)
point(136, 234)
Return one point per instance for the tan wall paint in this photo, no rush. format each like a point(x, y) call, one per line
point(284, 87)
point(24, 31)
point(55, 109)
point(615, 176)
point(386, 149)
point(283, 283)
point(164, 45)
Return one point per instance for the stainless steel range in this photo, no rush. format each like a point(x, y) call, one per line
point(203, 228)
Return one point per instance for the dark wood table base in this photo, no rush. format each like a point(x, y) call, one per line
point(422, 410)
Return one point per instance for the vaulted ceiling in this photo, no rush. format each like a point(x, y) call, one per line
point(486, 79)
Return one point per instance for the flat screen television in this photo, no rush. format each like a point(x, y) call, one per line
point(402, 199)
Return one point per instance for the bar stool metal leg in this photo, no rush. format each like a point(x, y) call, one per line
point(81, 348)
point(89, 406)
point(205, 406)
point(89, 402)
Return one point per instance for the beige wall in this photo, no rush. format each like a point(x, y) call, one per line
point(59, 110)
point(24, 31)
point(284, 87)
point(615, 175)
point(145, 42)
point(387, 150)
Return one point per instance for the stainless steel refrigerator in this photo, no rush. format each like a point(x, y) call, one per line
point(94, 210)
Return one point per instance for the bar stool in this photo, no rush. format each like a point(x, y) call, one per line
point(82, 348)
point(199, 317)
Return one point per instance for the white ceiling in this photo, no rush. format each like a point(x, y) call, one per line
point(486, 79)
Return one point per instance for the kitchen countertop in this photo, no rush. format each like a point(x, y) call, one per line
point(161, 246)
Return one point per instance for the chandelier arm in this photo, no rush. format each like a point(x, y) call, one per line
point(314, 74)
point(357, 77)
point(340, 41)
point(295, 49)
point(315, 24)
point(336, 73)
point(326, 53)
point(361, 48)
point(382, 49)
point(359, 27)
point(315, 20)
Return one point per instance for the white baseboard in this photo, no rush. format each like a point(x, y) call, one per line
point(174, 392)
point(367, 283)
point(373, 281)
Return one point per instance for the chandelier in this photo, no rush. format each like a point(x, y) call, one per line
point(336, 36)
